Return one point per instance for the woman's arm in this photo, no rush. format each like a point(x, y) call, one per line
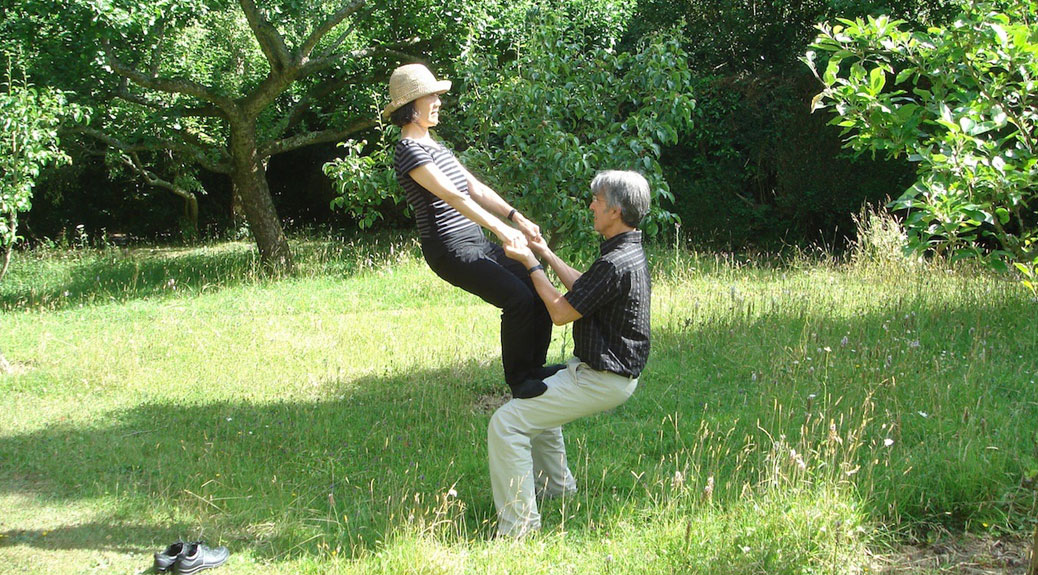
point(493, 202)
point(433, 179)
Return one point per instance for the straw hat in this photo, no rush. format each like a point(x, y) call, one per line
point(410, 82)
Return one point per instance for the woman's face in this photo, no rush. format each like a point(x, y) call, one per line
point(428, 110)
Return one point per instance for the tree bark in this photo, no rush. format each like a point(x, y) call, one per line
point(12, 224)
point(249, 177)
point(191, 215)
point(1033, 568)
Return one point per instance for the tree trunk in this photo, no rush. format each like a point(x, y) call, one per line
point(191, 215)
point(12, 225)
point(1032, 569)
point(237, 211)
point(250, 179)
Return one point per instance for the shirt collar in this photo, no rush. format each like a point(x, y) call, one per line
point(633, 237)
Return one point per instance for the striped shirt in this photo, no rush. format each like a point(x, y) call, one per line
point(436, 218)
point(614, 297)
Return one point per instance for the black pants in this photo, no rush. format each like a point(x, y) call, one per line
point(481, 268)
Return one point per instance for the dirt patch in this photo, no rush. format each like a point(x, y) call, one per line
point(489, 402)
point(966, 555)
point(13, 367)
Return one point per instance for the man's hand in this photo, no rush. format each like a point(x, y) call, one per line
point(539, 246)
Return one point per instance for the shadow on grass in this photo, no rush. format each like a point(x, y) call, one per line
point(283, 479)
point(60, 280)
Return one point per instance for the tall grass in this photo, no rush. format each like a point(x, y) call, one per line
point(794, 416)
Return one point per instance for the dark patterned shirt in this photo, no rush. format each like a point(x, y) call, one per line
point(436, 218)
point(613, 296)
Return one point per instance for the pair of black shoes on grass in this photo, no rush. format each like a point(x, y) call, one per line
point(534, 385)
point(186, 558)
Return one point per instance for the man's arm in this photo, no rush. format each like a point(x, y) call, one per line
point(558, 306)
point(567, 275)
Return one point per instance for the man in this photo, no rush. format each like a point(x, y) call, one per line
point(609, 305)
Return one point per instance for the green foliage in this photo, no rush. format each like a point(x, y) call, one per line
point(544, 105)
point(959, 100)
point(749, 173)
point(539, 127)
point(364, 181)
point(29, 118)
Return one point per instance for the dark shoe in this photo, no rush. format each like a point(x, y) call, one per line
point(165, 559)
point(528, 389)
point(197, 556)
point(547, 371)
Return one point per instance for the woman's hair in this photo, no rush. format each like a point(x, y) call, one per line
point(403, 115)
point(627, 191)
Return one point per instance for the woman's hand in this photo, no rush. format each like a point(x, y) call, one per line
point(530, 229)
point(509, 235)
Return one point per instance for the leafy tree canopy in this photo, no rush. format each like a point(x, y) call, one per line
point(538, 120)
point(225, 85)
point(960, 101)
point(29, 122)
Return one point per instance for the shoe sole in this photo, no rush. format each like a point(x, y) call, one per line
point(198, 568)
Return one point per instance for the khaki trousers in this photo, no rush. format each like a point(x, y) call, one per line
point(525, 444)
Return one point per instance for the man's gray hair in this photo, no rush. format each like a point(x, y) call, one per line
point(628, 191)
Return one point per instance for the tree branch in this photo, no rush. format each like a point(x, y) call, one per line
point(334, 20)
point(123, 92)
point(270, 41)
point(156, 36)
point(311, 138)
point(195, 155)
point(319, 92)
point(319, 64)
point(168, 85)
point(151, 178)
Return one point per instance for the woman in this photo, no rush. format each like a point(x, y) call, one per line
point(451, 206)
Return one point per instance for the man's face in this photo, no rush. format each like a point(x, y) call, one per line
point(604, 215)
point(428, 110)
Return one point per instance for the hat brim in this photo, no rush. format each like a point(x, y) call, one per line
point(439, 87)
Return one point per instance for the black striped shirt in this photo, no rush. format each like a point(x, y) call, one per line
point(614, 297)
point(436, 218)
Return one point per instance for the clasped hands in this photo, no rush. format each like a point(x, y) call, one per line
point(525, 247)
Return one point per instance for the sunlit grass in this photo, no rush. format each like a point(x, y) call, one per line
point(793, 414)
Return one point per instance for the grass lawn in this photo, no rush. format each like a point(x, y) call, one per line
point(795, 417)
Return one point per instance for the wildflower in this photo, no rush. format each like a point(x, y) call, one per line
point(923, 414)
point(797, 459)
point(888, 442)
point(844, 341)
point(452, 492)
point(833, 434)
point(827, 349)
point(678, 480)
